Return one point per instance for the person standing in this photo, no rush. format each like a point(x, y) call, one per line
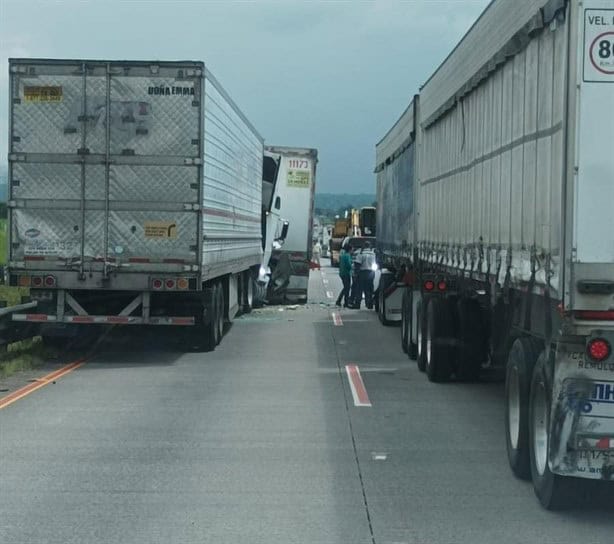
point(345, 273)
point(315, 255)
point(355, 289)
point(366, 274)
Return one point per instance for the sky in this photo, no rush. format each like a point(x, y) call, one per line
point(330, 75)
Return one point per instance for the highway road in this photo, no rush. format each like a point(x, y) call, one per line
point(302, 427)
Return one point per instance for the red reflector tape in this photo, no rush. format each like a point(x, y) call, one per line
point(36, 317)
point(605, 443)
point(117, 319)
point(594, 315)
point(82, 319)
point(182, 320)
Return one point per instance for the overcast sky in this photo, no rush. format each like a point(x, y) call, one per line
point(330, 75)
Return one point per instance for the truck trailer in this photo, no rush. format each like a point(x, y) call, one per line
point(295, 186)
point(135, 194)
point(495, 229)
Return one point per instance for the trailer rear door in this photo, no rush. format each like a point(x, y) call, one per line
point(105, 163)
point(594, 224)
point(593, 238)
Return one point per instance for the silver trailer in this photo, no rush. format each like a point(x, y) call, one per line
point(134, 195)
point(496, 222)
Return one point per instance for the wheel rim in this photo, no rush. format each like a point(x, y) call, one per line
point(419, 341)
point(540, 428)
point(250, 292)
point(513, 406)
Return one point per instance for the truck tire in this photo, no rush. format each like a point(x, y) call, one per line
point(471, 352)
point(553, 491)
point(412, 347)
point(248, 292)
point(381, 307)
point(202, 337)
point(520, 362)
point(439, 340)
point(220, 312)
point(421, 340)
point(404, 324)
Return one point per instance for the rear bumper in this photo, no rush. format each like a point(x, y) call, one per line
point(129, 279)
point(582, 416)
point(105, 319)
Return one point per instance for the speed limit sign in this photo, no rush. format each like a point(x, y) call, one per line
point(599, 45)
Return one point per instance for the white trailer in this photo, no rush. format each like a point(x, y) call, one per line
point(134, 195)
point(496, 219)
point(290, 262)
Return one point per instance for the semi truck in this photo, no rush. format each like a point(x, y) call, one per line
point(135, 194)
point(290, 263)
point(495, 230)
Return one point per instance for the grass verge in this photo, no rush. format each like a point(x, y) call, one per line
point(24, 355)
point(12, 295)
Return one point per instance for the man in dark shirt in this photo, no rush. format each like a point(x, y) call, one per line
point(345, 272)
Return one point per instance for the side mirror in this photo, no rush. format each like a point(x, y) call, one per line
point(278, 203)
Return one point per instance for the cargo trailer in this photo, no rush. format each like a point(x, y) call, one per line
point(495, 228)
point(135, 194)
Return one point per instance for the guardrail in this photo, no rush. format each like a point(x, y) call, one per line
point(13, 332)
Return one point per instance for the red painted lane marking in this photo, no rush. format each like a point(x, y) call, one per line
point(40, 382)
point(337, 319)
point(359, 392)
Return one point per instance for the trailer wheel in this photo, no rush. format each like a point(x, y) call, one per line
point(203, 336)
point(381, 305)
point(421, 326)
point(439, 340)
point(412, 347)
point(471, 340)
point(404, 322)
point(520, 363)
point(553, 491)
point(248, 292)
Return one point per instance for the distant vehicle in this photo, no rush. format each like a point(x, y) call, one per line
point(495, 192)
point(368, 221)
point(290, 262)
point(119, 216)
point(358, 242)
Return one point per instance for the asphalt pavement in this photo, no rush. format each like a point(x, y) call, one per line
point(261, 441)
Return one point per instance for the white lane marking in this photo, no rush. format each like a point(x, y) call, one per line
point(359, 392)
point(337, 319)
point(329, 294)
point(325, 281)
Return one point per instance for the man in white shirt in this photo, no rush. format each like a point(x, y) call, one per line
point(366, 274)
